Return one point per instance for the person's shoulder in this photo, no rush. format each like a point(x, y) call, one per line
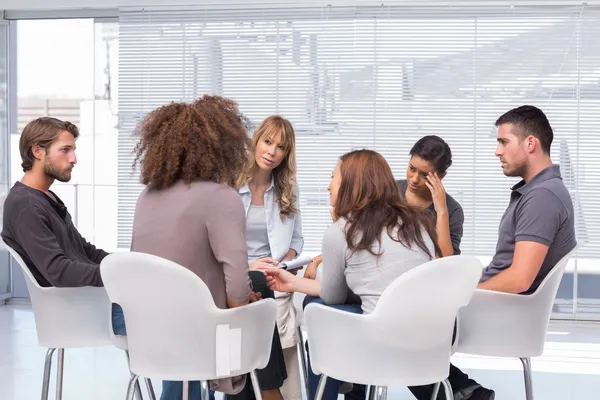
point(452, 203)
point(336, 228)
point(550, 189)
point(21, 198)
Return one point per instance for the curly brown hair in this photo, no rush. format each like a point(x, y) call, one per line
point(204, 140)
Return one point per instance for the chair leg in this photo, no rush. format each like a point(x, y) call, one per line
point(372, 390)
point(138, 389)
point(186, 390)
point(303, 357)
point(149, 388)
point(204, 391)
point(255, 385)
point(436, 390)
point(448, 390)
point(321, 387)
point(381, 392)
point(47, 369)
point(131, 387)
point(528, 379)
point(60, 364)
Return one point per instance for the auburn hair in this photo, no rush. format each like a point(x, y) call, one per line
point(370, 201)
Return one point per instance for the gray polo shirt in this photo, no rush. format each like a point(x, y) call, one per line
point(456, 217)
point(539, 211)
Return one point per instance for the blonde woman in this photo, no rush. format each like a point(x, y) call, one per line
point(273, 226)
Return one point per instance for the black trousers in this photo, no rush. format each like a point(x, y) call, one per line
point(273, 375)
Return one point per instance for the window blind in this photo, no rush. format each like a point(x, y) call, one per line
point(380, 77)
point(4, 123)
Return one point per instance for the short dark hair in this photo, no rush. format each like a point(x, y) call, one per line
point(435, 150)
point(529, 120)
point(41, 132)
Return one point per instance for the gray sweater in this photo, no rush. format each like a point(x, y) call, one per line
point(364, 274)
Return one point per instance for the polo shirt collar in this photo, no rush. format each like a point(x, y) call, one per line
point(550, 172)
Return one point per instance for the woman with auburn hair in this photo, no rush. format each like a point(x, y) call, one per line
point(375, 237)
point(273, 225)
point(190, 213)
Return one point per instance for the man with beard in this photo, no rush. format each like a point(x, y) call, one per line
point(36, 223)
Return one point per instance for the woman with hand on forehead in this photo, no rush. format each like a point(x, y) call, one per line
point(430, 159)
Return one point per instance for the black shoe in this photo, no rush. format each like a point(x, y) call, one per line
point(482, 393)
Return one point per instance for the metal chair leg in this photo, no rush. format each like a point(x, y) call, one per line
point(321, 387)
point(60, 373)
point(436, 390)
point(47, 369)
point(149, 388)
point(255, 385)
point(130, 388)
point(528, 378)
point(302, 351)
point(204, 390)
point(138, 389)
point(186, 390)
point(448, 390)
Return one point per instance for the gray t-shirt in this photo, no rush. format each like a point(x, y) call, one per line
point(364, 274)
point(455, 216)
point(539, 211)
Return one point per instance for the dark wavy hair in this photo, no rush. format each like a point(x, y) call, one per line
point(435, 150)
point(204, 140)
point(370, 201)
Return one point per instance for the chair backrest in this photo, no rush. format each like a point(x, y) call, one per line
point(510, 325)
point(67, 317)
point(407, 339)
point(174, 329)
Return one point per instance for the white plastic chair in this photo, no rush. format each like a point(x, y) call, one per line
point(71, 318)
point(499, 324)
point(65, 318)
point(174, 330)
point(406, 341)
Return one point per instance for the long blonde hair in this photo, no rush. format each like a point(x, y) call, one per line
point(284, 175)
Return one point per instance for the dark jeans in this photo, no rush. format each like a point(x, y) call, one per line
point(458, 379)
point(270, 377)
point(358, 392)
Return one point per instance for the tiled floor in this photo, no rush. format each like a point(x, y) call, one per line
point(569, 369)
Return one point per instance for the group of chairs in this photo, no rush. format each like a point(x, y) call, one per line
point(175, 332)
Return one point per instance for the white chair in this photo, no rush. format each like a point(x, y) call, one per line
point(65, 318)
point(499, 324)
point(70, 318)
point(174, 330)
point(406, 341)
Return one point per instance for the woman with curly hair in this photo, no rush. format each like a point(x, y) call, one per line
point(273, 226)
point(190, 157)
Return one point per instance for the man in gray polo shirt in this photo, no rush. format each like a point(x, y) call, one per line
point(536, 230)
